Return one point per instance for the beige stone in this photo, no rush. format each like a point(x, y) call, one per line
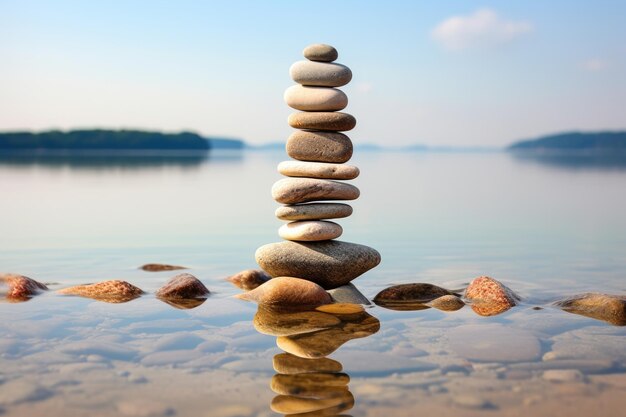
point(310, 230)
point(303, 190)
point(307, 98)
point(287, 292)
point(320, 52)
point(319, 146)
point(322, 120)
point(322, 74)
point(321, 170)
point(313, 211)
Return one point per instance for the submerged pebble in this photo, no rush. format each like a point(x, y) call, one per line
point(113, 291)
point(160, 267)
point(563, 375)
point(249, 279)
point(183, 286)
point(287, 292)
point(20, 287)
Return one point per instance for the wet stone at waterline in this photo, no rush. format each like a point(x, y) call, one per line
point(19, 288)
point(249, 279)
point(285, 291)
point(114, 291)
point(183, 286)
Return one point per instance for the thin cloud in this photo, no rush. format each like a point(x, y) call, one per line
point(595, 64)
point(482, 29)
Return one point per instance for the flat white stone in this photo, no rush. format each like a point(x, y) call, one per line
point(323, 170)
point(313, 211)
point(310, 230)
point(307, 98)
point(323, 74)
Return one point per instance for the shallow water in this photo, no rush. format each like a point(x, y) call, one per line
point(546, 229)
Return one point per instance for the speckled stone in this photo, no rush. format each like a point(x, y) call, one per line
point(320, 52)
point(332, 121)
point(313, 211)
point(113, 291)
point(249, 279)
point(318, 170)
point(290, 384)
point(605, 307)
point(286, 363)
point(307, 98)
point(310, 230)
point(20, 288)
point(330, 263)
point(287, 291)
point(304, 190)
point(183, 286)
point(321, 74)
point(310, 146)
point(490, 297)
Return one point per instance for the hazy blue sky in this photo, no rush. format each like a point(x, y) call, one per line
point(439, 73)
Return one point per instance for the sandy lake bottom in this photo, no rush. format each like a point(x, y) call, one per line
point(548, 229)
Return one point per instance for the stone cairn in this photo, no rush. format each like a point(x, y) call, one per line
point(320, 151)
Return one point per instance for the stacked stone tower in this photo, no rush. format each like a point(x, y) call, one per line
point(320, 151)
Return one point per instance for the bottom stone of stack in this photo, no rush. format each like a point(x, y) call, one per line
point(329, 263)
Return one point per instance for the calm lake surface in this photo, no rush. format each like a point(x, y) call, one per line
point(548, 228)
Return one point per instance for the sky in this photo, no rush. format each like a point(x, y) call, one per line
point(454, 73)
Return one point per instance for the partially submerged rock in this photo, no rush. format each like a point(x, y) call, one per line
point(113, 291)
point(160, 267)
point(183, 286)
point(249, 279)
point(295, 384)
point(447, 303)
point(330, 263)
point(490, 297)
point(605, 307)
point(286, 292)
point(20, 288)
point(409, 296)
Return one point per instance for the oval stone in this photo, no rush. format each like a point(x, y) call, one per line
point(318, 170)
point(319, 146)
point(323, 120)
point(303, 190)
point(322, 74)
point(329, 263)
point(310, 230)
point(283, 292)
point(306, 98)
point(313, 211)
point(331, 147)
point(320, 52)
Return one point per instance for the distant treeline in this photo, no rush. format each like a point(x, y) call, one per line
point(101, 139)
point(575, 141)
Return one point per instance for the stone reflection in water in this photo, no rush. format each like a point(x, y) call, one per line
point(321, 343)
point(308, 383)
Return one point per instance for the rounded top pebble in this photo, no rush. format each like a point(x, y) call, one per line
point(320, 52)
